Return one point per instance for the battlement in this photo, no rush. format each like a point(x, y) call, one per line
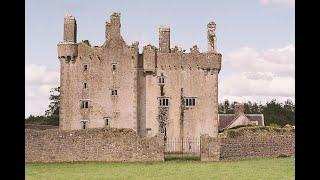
point(193, 60)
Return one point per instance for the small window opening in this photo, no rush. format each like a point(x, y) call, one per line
point(85, 67)
point(114, 67)
point(190, 102)
point(84, 104)
point(85, 85)
point(114, 92)
point(107, 121)
point(161, 79)
point(84, 124)
point(164, 102)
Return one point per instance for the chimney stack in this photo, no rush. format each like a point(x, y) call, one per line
point(238, 109)
point(70, 29)
point(164, 39)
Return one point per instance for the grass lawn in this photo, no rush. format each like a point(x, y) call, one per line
point(276, 168)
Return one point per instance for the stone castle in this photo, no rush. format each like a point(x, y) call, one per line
point(163, 90)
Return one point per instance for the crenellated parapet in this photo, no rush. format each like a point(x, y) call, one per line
point(178, 60)
point(189, 61)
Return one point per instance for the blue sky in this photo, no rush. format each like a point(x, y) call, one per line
point(255, 37)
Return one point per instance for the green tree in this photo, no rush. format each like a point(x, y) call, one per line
point(275, 113)
point(54, 105)
point(51, 116)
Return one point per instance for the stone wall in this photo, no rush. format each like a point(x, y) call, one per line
point(256, 142)
point(40, 126)
point(107, 144)
point(210, 148)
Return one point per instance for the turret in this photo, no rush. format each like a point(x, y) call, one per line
point(164, 39)
point(68, 48)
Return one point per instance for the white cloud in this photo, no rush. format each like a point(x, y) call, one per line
point(40, 74)
point(256, 75)
point(39, 81)
point(290, 3)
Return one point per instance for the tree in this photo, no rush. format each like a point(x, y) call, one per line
point(54, 105)
point(51, 116)
point(274, 113)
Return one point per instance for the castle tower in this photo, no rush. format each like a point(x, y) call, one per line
point(212, 40)
point(164, 39)
point(70, 29)
point(67, 54)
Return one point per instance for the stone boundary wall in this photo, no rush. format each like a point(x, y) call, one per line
point(256, 142)
point(106, 144)
point(209, 148)
point(40, 127)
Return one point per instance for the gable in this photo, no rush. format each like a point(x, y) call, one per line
point(228, 120)
point(240, 120)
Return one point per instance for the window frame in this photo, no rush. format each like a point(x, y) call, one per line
point(114, 66)
point(163, 101)
point(161, 79)
point(85, 85)
point(190, 101)
point(107, 121)
point(114, 92)
point(84, 124)
point(85, 67)
point(84, 104)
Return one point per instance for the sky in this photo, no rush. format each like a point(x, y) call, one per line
point(255, 37)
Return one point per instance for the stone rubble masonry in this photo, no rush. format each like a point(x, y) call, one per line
point(255, 142)
point(210, 148)
point(40, 126)
point(107, 144)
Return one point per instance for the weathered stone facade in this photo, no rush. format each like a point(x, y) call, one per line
point(107, 144)
point(162, 90)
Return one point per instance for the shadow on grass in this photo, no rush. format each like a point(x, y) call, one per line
point(181, 157)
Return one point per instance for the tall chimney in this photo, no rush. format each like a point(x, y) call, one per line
point(238, 109)
point(164, 39)
point(113, 27)
point(70, 29)
point(212, 40)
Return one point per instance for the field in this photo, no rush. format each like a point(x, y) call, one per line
point(273, 168)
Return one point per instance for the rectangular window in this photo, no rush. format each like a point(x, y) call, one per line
point(85, 85)
point(189, 102)
point(163, 102)
point(84, 124)
point(161, 80)
point(114, 67)
point(84, 104)
point(114, 92)
point(107, 121)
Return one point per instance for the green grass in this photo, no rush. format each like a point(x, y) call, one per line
point(275, 168)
